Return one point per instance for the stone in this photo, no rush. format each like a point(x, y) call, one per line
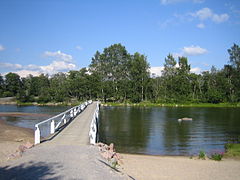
point(21, 148)
point(28, 145)
point(111, 147)
point(18, 140)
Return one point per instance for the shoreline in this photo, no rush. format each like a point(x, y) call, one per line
point(13, 101)
point(221, 105)
point(11, 137)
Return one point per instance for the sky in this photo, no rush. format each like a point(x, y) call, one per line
point(50, 36)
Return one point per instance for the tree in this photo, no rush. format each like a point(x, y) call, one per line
point(112, 68)
point(2, 86)
point(139, 76)
point(234, 53)
point(169, 73)
point(182, 85)
point(58, 88)
point(13, 84)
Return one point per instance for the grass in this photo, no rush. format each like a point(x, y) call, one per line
point(232, 150)
point(149, 104)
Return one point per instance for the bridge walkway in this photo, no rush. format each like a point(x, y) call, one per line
point(67, 156)
point(77, 132)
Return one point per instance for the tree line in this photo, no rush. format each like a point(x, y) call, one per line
point(115, 75)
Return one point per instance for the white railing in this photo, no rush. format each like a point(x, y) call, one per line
point(56, 122)
point(94, 126)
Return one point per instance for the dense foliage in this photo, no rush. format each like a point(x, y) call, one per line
point(118, 76)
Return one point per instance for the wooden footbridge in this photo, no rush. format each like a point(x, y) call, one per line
point(66, 153)
point(77, 125)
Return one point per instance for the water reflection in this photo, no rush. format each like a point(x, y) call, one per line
point(157, 131)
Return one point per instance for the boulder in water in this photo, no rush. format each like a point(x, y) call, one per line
point(185, 119)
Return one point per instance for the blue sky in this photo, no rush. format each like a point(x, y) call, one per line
point(49, 36)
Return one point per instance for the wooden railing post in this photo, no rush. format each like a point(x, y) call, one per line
point(71, 113)
point(37, 135)
point(52, 127)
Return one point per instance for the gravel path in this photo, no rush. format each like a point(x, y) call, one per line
point(60, 162)
point(67, 156)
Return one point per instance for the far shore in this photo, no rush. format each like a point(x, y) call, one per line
point(141, 104)
point(149, 104)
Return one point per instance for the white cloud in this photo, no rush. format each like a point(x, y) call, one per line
point(32, 67)
point(220, 18)
point(156, 71)
point(201, 25)
point(25, 73)
point(57, 66)
point(190, 51)
point(196, 70)
point(79, 48)
point(59, 56)
point(177, 55)
point(62, 64)
point(10, 66)
point(207, 13)
point(165, 2)
point(193, 51)
point(2, 48)
point(203, 14)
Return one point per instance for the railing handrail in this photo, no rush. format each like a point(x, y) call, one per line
point(67, 116)
point(94, 125)
point(42, 122)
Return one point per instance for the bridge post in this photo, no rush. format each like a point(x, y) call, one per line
point(75, 112)
point(52, 130)
point(71, 113)
point(37, 135)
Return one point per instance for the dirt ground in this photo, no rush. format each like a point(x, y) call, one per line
point(142, 167)
point(10, 139)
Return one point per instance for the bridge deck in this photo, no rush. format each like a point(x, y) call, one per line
point(76, 133)
point(66, 156)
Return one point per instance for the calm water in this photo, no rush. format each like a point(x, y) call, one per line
point(157, 130)
point(40, 113)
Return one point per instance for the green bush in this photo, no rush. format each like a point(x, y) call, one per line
point(217, 156)
point(202, 155)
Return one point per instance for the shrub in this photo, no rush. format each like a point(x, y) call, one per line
point(202, 155)
point(217, 156)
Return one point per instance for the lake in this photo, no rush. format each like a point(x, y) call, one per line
point(156, 130)
point(30, 116)
point(149, 130)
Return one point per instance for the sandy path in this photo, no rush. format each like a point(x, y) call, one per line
point(143, 167)
point(10, 139)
